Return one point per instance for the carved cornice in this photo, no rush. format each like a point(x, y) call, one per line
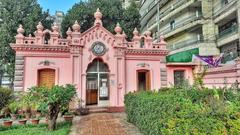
point(40, 48)
point(147, 51)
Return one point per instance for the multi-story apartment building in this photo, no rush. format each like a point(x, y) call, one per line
point(205, 27)
point(126, 3)
point(58, 18)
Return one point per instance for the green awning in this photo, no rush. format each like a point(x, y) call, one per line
point(185, 56)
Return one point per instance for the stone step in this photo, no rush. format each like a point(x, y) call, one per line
point(96, 109)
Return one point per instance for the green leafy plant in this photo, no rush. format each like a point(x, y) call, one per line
point(5, 96)
point(52, 100)
point(14, 107)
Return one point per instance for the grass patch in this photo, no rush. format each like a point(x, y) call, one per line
point(41, 129)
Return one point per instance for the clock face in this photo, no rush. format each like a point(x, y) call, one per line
point(98, 49)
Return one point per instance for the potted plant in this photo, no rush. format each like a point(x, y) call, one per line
point(35, 120)
point(68, 116)
point(82, 109)
point(22, 120)
point(7, 122)
point(26, 106)
point(14, 110)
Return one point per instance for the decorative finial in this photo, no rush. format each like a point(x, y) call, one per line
point(30, 35)
point(98, 17)
point(69, 31)
point(20, 29)
point(55, 27)
point(40, 27)
point(162, 41)
point(98, 14)
point(124, 35)
point(118, 28)
point(148, 33)
point(76, 27)
point(135, 32)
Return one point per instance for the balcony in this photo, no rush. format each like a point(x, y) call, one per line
point(228, 35)
point(229, 57)
point(181, 25)
point(221, 7)
point(172, 10)
point(231, 30)
point(187, 43)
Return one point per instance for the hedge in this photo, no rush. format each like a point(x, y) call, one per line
point(184, 112)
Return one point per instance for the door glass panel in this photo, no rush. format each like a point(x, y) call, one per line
point(103, 87)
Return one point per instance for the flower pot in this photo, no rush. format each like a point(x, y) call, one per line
point(22, 122)
point(35, 121)
point(27, 116)
point(14, 116)
point(7, 123)
point(68, 118)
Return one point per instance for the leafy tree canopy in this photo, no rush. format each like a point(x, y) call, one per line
point(112, 11)
point(12, 13)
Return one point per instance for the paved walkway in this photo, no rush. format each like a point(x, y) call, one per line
point(103, 124)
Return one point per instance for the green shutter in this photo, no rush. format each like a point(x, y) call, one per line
point(185, 56)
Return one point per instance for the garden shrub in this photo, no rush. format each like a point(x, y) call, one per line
point(5, 97)
point(181, 111)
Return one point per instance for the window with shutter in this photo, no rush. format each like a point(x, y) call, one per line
point(46, 77)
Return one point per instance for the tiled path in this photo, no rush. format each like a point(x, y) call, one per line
point(103, 124)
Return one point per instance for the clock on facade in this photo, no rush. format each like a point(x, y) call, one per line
point(98, 48)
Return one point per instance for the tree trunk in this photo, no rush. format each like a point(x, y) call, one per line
point(52, 116)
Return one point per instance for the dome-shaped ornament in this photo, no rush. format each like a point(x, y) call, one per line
point(55, 27)
point(98, 14)
point(40, 27)
point(76, 27)
point(20, 29)
point(69, 31)
point(135, 32)
point(118, 29)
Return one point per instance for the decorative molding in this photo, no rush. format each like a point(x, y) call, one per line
point(53, 48)
point(143, 65)
point(46, 63)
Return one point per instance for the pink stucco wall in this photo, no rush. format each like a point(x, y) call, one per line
point(62, 68)
point(226, 75)
point(188, 73)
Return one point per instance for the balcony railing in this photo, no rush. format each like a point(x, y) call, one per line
point(220, 6)
point(181, 23)
point(183, 44)
point(151, 5)
point(231, 30)
point(230, 57)
point(167, 11)
point(172, 7)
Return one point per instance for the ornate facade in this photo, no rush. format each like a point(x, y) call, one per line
point(103, 66)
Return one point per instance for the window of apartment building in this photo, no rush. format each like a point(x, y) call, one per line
point(172, 24)
point(225, 2)
point(179, 77)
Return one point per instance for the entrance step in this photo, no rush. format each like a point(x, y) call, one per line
point(96, 109)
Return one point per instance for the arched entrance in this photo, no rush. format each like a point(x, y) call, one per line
point(97, 84)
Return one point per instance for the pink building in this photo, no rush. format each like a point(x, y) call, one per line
point(103, 66)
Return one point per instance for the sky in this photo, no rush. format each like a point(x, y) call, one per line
point(57, 5)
